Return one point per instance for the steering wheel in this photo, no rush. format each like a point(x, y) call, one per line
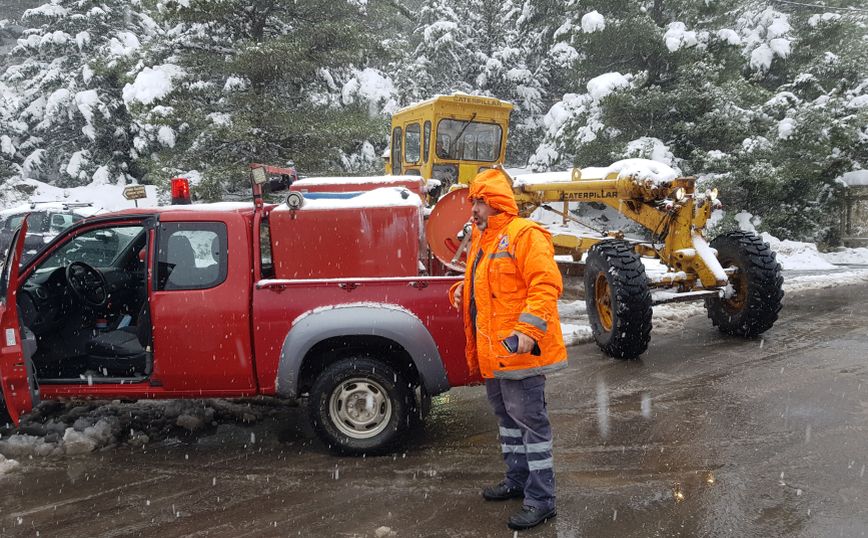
point(88, 283)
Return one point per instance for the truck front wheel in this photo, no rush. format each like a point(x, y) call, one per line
point(360, 406)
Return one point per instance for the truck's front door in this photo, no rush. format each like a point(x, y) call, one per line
point(15, 378)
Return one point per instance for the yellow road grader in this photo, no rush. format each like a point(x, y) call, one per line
point(450, 139)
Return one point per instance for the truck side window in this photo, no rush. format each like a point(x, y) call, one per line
point(191, 255)
point(266, 264)
point(412, 142)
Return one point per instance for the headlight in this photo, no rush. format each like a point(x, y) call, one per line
point(712, 194)
point(679, 194)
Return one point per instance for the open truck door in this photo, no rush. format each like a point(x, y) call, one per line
point(17, 379)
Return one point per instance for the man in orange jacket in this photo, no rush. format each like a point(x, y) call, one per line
point(509, 300)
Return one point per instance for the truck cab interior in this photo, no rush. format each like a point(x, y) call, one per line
point(86, 303)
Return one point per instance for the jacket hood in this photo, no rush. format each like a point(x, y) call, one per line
point(493, 187)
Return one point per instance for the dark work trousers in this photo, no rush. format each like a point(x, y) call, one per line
point(525, 436)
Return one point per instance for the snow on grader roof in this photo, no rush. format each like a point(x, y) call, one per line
point(460, 98)
point(641, 169)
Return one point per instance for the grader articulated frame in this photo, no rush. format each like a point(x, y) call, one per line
point(736, 274)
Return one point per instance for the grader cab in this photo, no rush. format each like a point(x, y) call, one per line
point(736, 274)
point(449, 138)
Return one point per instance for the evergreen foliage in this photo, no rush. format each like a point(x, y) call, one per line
point(765, 101)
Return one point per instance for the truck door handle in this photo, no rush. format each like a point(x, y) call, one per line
point(419, 284)
point(349, 286)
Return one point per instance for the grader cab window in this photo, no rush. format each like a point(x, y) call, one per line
point(426, 141)
point(469, 141)
point(396, 151)
point(412, 143)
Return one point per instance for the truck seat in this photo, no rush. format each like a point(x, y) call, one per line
point(121, 352)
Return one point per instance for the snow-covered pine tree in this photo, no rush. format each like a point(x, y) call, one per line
point(441, 53)
point(721, 90)
point(265, 81)
point(62, 117)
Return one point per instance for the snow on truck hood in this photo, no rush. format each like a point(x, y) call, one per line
point(641, 169)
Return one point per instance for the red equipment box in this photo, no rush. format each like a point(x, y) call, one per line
point(376, 234)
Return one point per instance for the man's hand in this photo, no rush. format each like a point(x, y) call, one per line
point(525, 342)
point(456, 295)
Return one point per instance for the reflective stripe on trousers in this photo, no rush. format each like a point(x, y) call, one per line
point(525, 436)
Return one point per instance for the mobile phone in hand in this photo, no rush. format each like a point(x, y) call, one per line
point(511, 345)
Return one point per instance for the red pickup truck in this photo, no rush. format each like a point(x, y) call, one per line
point(331, 299)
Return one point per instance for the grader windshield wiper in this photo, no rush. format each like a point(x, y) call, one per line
point(454, 145)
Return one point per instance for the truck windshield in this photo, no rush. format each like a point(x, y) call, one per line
point(477, 142)
point(100, 247)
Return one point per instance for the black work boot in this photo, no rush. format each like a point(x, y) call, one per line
point(502, 492)
point(530, 517)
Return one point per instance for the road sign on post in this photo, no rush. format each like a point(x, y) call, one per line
point(134, 192)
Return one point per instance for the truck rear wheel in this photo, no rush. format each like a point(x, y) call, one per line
point(360, 406)
point(756, 287)
point(618, 299)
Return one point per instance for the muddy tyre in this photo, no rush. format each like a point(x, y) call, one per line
point(618, 299)
point(756, 287)
point(360, 406)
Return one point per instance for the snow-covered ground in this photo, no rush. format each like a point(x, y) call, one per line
point(102, 196)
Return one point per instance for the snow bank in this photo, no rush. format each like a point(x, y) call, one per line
point(108, 197)
point(7, 465)
point(794, 255)
point(848, 256)
point(56, 429)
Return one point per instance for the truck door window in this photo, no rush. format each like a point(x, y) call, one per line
point(412, 142)
point(191, 255)
point(426, 141)
point(266, 263)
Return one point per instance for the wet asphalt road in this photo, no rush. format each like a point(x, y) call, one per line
point(705, 436)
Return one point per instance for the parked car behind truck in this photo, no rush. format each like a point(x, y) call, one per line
point(235, 300)
point(44, 221)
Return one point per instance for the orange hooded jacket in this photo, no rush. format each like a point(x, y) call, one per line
point(515, 286)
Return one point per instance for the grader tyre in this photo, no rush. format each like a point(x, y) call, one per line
point(757, 285)
point(618, 299)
